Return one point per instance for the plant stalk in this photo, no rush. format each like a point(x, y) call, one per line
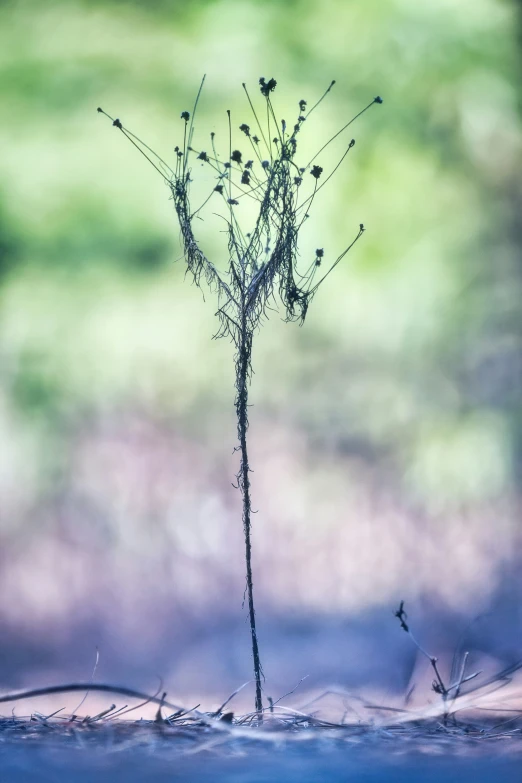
point(243, 367)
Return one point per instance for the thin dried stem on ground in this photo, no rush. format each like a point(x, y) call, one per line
point(189, 731)
point(262, 262)
point(454, 696)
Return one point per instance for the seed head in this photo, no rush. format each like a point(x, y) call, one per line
point(267, 86)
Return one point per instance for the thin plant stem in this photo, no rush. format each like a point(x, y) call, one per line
point(244, 364)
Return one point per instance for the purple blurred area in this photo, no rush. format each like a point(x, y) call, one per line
point(138, 555)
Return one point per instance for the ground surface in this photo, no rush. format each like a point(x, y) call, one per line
point(154, 755)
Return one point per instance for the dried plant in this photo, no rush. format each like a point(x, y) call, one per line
point(452, 691)
point(263, 261)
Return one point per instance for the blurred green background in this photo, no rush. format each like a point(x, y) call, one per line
point(386, 434)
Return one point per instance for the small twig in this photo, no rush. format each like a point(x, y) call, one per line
point(438, 684)
point(102, 714)
point(232, 696)
point(75, 711)
point(464, 680)
point(100, 687)
point(125, 710)
point(159, 717)
point(180, 714)
point(274, 703)
point(53, 714)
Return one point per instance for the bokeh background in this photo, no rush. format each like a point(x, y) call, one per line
point(386, 434)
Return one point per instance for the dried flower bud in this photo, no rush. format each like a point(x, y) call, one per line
point(117, 124)
point(267, 87)
point(236, 156)
point(185, 116)
point(302, 106)
point(249, 164)
point(203, 156)
point(245, 128)
point(265, 164)
point(316, 171)
point(219, 188)
point(298, 180)
point(255, 139)
point(245, 178)
point(232, 201)
point(378, 99)
point(319, 252)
